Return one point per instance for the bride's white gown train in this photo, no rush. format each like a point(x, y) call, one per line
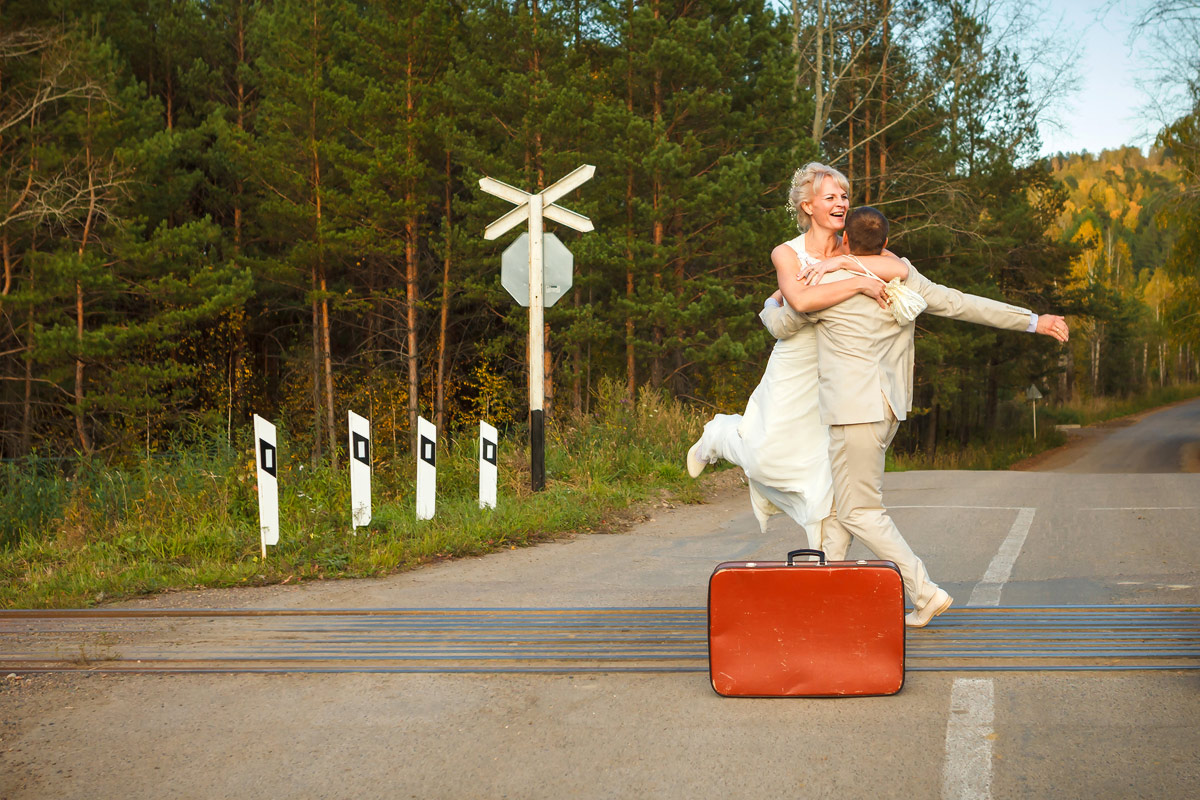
point(779, 441)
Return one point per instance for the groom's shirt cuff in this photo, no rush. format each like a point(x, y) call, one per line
point(771, 302)
point(1033, 318)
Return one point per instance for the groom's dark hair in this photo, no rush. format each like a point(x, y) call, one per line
point(867, 230)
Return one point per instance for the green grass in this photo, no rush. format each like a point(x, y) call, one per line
point(192, 520)
point(1102, 409)
point(1000, 453)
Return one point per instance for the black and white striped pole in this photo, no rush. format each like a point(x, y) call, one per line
point(533, 207)
point(489, 441)
point(360, 470)
point(426, 468)
point(266, 458)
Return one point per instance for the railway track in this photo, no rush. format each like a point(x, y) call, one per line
point(556, 640)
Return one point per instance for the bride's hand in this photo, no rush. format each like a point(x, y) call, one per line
point(812, 274)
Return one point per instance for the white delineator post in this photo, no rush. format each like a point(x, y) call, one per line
point(426, 468)
point(360, 470)
point(533, 207)
point(266, 458)
point(488, 457)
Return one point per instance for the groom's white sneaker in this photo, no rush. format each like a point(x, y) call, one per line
point(920, 617)
point(695, 464)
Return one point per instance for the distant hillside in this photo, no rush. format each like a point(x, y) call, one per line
point(1125, 333)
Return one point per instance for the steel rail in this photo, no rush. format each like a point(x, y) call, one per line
point(557, 640)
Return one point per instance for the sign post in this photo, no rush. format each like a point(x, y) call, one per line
point(360, 471)
point(1033, 394)
point(489, 440)
point(266, 458)
point(535, 207)
point(426, 468)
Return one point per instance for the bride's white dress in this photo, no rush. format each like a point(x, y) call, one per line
point(779, 441)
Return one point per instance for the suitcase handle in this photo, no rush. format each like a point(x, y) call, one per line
point(820, 554)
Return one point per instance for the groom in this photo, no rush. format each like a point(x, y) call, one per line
point(865, 367)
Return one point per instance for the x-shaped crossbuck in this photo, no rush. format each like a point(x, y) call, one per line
point(549, 195)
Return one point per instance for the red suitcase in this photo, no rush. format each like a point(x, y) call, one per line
point(806, 628)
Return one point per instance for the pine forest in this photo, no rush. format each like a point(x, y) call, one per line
point(216, 208)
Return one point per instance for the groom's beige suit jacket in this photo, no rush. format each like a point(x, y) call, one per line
point(865, 359)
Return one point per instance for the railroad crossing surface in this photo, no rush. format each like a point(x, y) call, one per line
point(1067, 668)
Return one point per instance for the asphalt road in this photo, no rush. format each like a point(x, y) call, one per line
point(990, 538)
point(1164, 441)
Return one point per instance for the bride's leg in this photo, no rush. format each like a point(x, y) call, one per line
point(721, 440)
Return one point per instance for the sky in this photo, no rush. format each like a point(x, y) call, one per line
point(1107, 109)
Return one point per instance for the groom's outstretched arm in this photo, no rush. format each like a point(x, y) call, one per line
point(946, 302)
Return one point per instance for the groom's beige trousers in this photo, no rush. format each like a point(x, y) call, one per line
point(856, 454)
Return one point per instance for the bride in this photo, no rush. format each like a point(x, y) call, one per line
point(779, 441)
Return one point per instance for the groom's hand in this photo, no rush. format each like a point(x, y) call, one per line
point(1050, 325)
point(874, 289)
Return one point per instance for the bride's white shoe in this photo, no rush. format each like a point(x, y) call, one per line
point(695, 464)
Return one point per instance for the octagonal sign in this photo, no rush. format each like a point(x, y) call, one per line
point(557, 266)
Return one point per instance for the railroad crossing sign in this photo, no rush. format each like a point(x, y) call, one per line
point(557, 265)
point(533, 207)
point(543, 203)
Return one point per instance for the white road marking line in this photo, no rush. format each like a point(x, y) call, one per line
point(1081, 508)
point(987, 591)
point(1143, 508)
point(984, 508)
point(967, 773)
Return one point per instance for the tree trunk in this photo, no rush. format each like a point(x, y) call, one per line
point(8, 266)
point(630, 360)
point(796, 51)
point(322, 380)
point(241, 123)
point(992, 400)
point(577, 362)
point(27, 397)
point(327, 354)
point(818, 123)
point(85, 441)
point(318, 427)
point(547, 374)
point(883, 98)
point(656, 367)
point(443, 322)
point(931, 430)
point(410, 261)
point(27, 400)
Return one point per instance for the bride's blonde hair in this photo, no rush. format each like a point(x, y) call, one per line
point(804, 184)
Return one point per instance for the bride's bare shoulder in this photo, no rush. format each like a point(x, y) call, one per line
point(785, 255)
